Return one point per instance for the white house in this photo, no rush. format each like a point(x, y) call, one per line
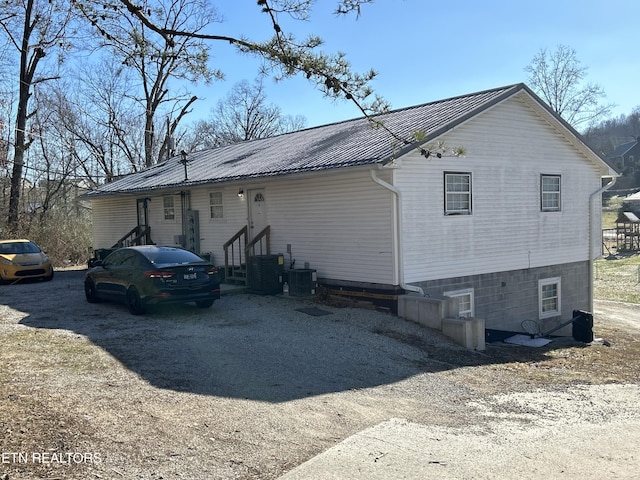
point(510, 229)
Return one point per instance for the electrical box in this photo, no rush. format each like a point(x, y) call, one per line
point(192, 231)
point(303, 282)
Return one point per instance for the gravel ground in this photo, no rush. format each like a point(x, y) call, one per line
point(252, 387)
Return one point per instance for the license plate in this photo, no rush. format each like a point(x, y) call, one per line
point(190, 276)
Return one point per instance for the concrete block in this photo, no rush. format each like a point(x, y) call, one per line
point(423, 310)
point(468, 332)
point(459, 330)
point(477, 325)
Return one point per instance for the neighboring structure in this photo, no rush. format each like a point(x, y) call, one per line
point(626, 157)
point(628, 232)
point(509, 230)
point(632, 202)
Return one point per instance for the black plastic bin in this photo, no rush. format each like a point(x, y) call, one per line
point(582, 327)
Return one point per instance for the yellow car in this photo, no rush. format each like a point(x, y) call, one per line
point(23, 259)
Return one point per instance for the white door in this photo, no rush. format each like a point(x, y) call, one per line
point(257, 211)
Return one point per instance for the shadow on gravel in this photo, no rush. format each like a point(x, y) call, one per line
point(250, 347)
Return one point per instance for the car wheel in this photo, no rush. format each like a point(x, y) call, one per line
point(48, 278)
point(134, 302)
point(204, 303)
point(90, 292)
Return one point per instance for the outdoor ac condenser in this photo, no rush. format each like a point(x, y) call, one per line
point(264, 274)
point(302, 282)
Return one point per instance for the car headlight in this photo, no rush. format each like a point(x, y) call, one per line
point(4, 261)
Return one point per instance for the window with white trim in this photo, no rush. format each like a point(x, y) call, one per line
point(168, 207)
point(216, 210)
point(457, 193)
point(549, 297)
point(550, 186)
point(465, 301)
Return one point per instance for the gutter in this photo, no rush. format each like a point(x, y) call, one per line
point(397, 233)
point(595, 194)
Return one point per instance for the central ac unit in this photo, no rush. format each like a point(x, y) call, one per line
point(302, 282)
point(264, 274)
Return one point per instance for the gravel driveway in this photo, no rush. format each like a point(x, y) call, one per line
point(251, 388)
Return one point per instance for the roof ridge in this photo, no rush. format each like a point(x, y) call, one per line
point(390, 112)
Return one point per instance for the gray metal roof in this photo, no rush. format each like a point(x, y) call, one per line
point(349, 143)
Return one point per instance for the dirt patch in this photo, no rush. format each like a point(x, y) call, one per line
point(247, 389)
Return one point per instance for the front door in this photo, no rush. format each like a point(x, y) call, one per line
point(257, 211)
point(143, 212)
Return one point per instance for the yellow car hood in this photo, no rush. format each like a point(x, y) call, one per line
point(25, 259)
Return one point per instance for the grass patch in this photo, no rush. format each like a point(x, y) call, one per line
point(617, 278)
point(47, 350)
point(610, 211)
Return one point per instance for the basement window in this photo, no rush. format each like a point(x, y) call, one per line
point(465, 301)
point(549, 297)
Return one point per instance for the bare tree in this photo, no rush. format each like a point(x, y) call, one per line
point(284, 54)
point(99, 122)
point(35, 28)
point(558, 78)
point(243, 114)
point(157, 60)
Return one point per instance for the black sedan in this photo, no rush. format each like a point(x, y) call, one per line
point(150, 275)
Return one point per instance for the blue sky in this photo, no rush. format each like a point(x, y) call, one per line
point(426, 50)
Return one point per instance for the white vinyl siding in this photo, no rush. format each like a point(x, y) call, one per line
point(508, 148)
point(113, 217)
point(341, 223)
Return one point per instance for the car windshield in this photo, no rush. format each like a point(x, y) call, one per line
point(15, 248)
point(171, 257)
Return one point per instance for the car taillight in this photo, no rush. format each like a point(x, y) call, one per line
point(212, 271)
point(159, 274)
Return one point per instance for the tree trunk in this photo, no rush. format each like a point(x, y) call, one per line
point(27, 68)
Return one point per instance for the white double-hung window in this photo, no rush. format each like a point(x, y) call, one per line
point(550, 193)
point(168, 208)
point(457, 193)
point(216, 208)
point(549, 297)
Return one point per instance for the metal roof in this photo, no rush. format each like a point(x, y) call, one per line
point(344, 144)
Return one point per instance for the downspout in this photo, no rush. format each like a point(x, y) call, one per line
point(397, 233)
point(591, 215)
